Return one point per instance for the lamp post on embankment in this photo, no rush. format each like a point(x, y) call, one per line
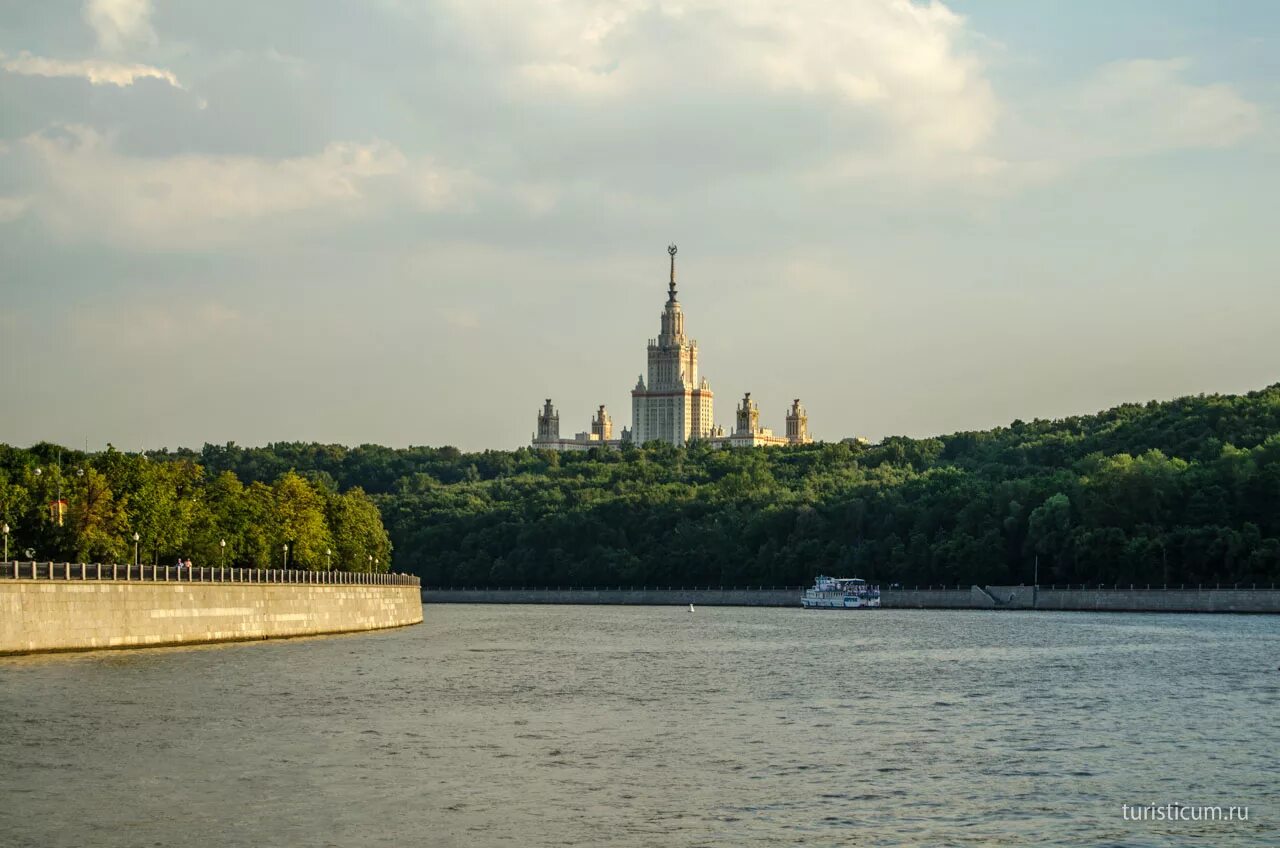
point(5, 531)
point(286, 556)
point(222, 555)
point(136, 539)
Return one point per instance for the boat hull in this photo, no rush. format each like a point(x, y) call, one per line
point(825, 600)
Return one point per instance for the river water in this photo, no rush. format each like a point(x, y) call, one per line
point(638, 726)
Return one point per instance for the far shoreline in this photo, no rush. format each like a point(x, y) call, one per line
point(1012, 598)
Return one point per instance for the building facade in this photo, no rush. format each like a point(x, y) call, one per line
point(675, 404)
point(747, 432)
point(600, 435)
point(798, 424)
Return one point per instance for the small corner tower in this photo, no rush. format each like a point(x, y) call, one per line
point(548, 423)
point(602, 426)
point(748, 416)
point(798, 424)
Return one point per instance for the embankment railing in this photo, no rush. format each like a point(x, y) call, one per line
point(197, 574)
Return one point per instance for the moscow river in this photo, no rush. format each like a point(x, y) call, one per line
point(654, 726)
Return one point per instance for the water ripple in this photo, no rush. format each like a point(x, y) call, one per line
point(533, 726)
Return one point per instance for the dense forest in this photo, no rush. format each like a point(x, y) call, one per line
point(64, 505)
point(1186, 491)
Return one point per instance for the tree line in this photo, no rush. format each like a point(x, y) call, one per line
point(65, 505)
point(1179, 492)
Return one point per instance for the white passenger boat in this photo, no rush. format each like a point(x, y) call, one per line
point(840, 593)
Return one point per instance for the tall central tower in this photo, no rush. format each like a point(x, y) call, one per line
point(674, 406)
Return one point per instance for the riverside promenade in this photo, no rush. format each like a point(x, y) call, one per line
point(1244, 598)
point(76, 606)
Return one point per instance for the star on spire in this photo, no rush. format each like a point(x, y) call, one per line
point(671, 287)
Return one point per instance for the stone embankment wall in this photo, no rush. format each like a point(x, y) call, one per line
point(972, 598)
point(59, 615)
point(975, 597)
point(1137, 600)
point(912, 598)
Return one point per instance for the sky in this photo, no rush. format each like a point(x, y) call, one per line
point(408, 222)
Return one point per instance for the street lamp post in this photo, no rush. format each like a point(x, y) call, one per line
point(5, 531)
point(328, 559)
point(375, 564)
point(371, 562)
point(1035, 585)
point(222, 561)
point(286, 556)
point(136, 537)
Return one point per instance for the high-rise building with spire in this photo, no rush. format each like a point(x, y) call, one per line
point(674, 405)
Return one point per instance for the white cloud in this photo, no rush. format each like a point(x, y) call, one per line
point(134, 325)
point(1144, 105)
point(89, 189)
point(120, 23)
point(12, 208)
point(96, 71)
point(904, 60)
point(431, 186)
point(538, 199)
point(899, 62)
point(460, 319)
point(1130, 108)
point(901, 87)
point(888, 94)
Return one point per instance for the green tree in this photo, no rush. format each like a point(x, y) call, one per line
point(300, 521)
point(1049, 533)
point(163, 506)
point(261, 535)
point(97, 520)
point(358, 534)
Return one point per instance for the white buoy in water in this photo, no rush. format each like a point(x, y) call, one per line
point(690, 607)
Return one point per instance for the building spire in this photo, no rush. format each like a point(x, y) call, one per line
point(671, 287)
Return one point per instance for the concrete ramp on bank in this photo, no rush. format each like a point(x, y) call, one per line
point(982, 598)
